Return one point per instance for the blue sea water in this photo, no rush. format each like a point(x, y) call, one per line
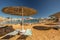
point(20, 21)
point(31, 21)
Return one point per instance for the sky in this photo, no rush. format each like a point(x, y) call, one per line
point(44, 8)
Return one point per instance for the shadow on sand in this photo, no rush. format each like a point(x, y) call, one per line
point(22, 37)
point(41, 28)
point(45, 28)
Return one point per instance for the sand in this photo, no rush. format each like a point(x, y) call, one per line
point(39, 34)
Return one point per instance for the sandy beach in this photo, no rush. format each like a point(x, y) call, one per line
point(38, 34)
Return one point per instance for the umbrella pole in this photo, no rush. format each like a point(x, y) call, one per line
point(22, 20)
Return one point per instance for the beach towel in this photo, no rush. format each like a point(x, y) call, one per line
point(28, 32)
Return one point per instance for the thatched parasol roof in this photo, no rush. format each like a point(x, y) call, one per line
point(56, 15)
point(14, 10)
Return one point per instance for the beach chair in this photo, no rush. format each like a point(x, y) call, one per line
point(11, 34)
point(56, 27)
point(8, 36)
point(25, 34)
point(28, 32)
point(22, 32)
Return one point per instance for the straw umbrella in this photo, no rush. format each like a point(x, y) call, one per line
point(19, 11)
point(56, 15)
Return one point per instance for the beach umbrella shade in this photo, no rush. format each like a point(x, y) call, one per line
point(55, 15)
point(19, 11)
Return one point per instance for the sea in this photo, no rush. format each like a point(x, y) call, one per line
point(20, 21)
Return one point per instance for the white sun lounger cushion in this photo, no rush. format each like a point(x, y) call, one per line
point(18, 30)
point(14, 32)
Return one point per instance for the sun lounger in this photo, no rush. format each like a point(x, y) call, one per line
point(22, 37)
point(5, 30)
point(8, 37)
point(3, 26)
point(11, 34)
point(26, 34)
point(14, 32)
point(56, 27)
